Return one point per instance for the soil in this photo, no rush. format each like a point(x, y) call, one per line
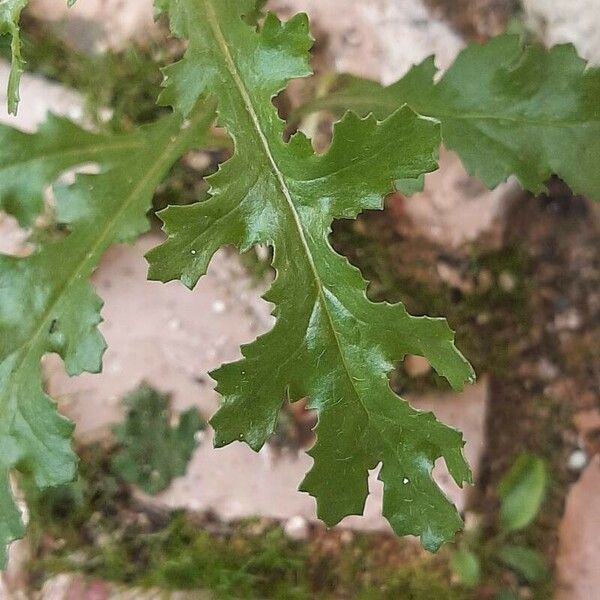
point(554, 366)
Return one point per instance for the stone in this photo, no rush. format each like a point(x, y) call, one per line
point(416, 366)
point(507, 282)
point(69, 586)
point(577, 460)
point(161, 334)
point(569, 320)
point(576, 22)
point(380, 39)
point(455, 209)
point(578, 575)
point(98, 25)
point(297, 529)
point(546, 369)
point(38, 97)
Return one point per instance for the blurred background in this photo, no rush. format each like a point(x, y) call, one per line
point(156, 512)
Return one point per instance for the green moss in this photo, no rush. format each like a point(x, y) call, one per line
point(93, 528)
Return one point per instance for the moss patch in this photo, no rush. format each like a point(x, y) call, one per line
point(95, 527)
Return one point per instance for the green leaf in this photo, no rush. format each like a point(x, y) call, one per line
point(48, 305)
point(152, 453)
point(329, 343)
point(467, 568)
point(504, 109)
point(522, 491)
point(10, 12)
point(527, 563)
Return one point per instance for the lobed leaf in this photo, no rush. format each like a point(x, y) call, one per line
point(46, 301)
point(506, 110)
point(329, 343)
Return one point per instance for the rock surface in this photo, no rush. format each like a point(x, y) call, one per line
point(76, 587)
point(454, 208)
point(578, 562)
point(162, 334)
point(381, 39)
point(96, 25)
point(38, 97)
point(576, 21)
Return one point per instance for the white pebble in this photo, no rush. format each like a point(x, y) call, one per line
point(174, 324)
point(577, 461)
point(296, 529)
point(219, 307)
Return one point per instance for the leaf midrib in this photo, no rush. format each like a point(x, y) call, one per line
point(213, 22)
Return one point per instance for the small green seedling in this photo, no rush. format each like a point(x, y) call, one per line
point(151, 450)
point(521, 492)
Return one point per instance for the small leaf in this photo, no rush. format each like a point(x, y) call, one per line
point(506, 110)
point(525, 562)
point(466, 567)
point(522, 491)
point(152, 453)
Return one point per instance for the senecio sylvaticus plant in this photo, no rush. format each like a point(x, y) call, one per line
point(505, 109)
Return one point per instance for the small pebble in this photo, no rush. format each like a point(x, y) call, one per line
point(577, 461)
point(219, 307)
point(507, 281)
point(547, 370)
point(570, 320)
point(416, 366)
point(296, 529)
